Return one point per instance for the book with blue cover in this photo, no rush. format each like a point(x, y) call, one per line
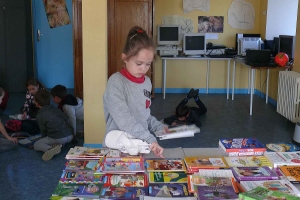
point(90, 190)
point(111, 192)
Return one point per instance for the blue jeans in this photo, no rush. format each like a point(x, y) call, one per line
point(6, 145)
point(45, 143)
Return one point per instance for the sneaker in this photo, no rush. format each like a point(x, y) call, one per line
point(51, 152)
point(190, 94)
point(195, 93)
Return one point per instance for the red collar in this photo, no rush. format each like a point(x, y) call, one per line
point(125, 73)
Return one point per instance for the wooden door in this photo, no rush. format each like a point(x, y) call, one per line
point(122, 16)
point(77, 48)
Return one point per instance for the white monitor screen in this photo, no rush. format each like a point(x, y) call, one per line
point(194, 44)
point(168, 35)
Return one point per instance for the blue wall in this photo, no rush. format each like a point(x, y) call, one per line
point(54, 52)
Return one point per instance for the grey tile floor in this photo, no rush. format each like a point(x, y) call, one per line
point(24, 175)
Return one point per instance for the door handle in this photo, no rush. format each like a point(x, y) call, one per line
point(39, 34)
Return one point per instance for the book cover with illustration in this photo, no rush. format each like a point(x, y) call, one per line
point(123, 167)
point(281, 185)
point(167, 177)
point(193, 164)
point(242, 146)
point(178, 132)
point(85, 165)
point(168, 190)
point(215, 192)
point(79, 152)
point(111, 192)
point(165, 165)
point(195, 179)
point(283, 158)
point(125, 180)
point(264, 193)
point(254, 173)
point(71, 176)
point(292, 173)
point(90, 190)
point(124, 159)
point(282, 147)
point(248, 161)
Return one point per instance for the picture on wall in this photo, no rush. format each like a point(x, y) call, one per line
point(210, 24)
point(57, 13)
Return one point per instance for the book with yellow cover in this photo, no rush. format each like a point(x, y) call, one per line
point(193, 164)
point(167, 177)
point(292, 173)
point(248, 161)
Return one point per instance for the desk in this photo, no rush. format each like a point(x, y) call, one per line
point(251, 79)
point(164, 70)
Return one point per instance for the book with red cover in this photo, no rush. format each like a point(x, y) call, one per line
point(254, 173)
point(242, 146)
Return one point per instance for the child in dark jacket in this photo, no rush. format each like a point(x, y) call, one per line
point(54, 126)
point(185, 115)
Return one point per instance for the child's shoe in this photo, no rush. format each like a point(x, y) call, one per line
point(51, 152)
point(190, 94)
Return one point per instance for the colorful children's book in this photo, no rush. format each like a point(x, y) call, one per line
point(168, 190)
point(111, 192)
point(282, 147)
point(123, 159)
point(178, 132)
point(125, 180)
point(90, 190)
point(196, 179)
point(165, 165)
point(193, 164)
point(264, 193)
point(248, 161)
point(254, 173)
point(283, 158)
point(79, 152)
point(283, 186)
point(123, 167)
point(85, 165)
point(167, 177)
point(71, 176)
point(292, 173)
point(242, 146)
point(215, 192)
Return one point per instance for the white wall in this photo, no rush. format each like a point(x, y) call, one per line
point(281, 18)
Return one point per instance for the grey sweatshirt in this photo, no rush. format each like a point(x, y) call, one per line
point(127, 108)
point(53, 123)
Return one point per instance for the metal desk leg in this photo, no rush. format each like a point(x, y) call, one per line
point(249, 86)
point(233, 79)
point(228, 77)
point(252, 89)
point(164, 75)
point(207, 75)
point(267, 86)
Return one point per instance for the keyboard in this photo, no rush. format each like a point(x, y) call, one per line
point(221, 56)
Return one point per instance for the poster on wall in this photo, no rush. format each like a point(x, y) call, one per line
point(210, 24)
point(241, 15)
point(186, 24)
point(190, 5)
point(57, 13)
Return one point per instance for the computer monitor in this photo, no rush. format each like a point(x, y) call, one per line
point(241, 35)
point(246, 43)
point(168, 35)
point(286, 44)
point(194, 44)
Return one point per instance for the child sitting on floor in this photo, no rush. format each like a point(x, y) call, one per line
point(185, 115)
point(54, 126)
point(72, 106)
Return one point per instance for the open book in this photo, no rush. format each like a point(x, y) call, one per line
point(178, 132)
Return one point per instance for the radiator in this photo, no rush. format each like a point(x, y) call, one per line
point(288, 97)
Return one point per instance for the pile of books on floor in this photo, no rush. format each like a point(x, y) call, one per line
point(102, 173)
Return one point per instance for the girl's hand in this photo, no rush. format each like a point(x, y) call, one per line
point(15, 140)
point(157, 150)
point(166, 129)
point(24, 116)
